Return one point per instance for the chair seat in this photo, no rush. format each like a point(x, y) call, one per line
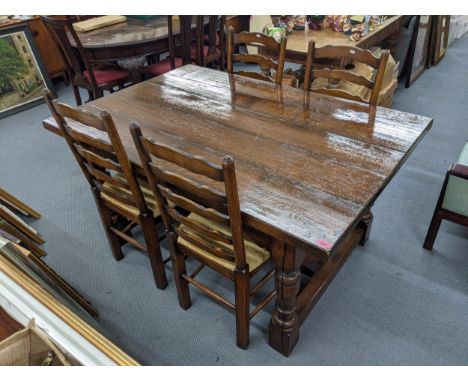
point(107, 75)
point(162, 66)
point(206, 38)
point(255, 255)
point(193, 51)
point(456, 194)
point(125, 193)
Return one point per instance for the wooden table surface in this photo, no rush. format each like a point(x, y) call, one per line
point(134, 38)
point(129, 32)
point(308, 167)
point(298, 41)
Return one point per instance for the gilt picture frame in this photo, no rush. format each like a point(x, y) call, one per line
point(22, 72)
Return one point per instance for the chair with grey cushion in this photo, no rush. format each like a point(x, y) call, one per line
point(453, 200)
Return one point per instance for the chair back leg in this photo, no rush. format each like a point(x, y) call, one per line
point(179, 270)
point(154, 251)
point(106, 218)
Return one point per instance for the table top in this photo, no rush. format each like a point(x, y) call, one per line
point(308, 166)
point(298, 40)
point(129, 32)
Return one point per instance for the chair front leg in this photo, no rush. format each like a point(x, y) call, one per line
point(433, 230)
point(436, 219)
point(242, 282)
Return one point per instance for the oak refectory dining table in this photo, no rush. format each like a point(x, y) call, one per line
point(309, 166)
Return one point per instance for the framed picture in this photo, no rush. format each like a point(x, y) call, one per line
point(22, 73)
point(418, 54)
point(441, 25)
point(38, 270)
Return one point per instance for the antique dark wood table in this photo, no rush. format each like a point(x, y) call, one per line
point(309, 166)
point(132, 38)
point(298, 41)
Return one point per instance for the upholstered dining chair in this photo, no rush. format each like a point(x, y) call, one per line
point(82, 71)
point(179, 48)
point(335, 75)
point(200, 207)
point(266, 64)
point(123, 201)
point(209, 45)
point(452, 204)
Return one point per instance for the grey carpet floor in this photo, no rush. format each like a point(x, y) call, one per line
point(393, 303)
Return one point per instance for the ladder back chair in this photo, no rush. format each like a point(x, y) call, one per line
point(452, 204)
point(205, 224)
point(123, 202)
point(82, 72)
point(209, 45)
point(179, 48)
point(266, 64)
point(343, 54)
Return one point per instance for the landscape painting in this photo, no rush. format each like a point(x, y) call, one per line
point(22, 74)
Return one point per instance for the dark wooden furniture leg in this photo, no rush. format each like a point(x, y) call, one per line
point(241, 280)
point(106, 218)
point(179, 270)
point(436, 218)
point(294, 305)
point(154, 251)
point(366, 224)
point(284, 325)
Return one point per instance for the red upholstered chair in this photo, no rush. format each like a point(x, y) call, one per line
point(179, 48)
point(81, 70)
point(209, 47)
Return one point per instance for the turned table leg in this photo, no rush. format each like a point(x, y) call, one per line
point(284, 325)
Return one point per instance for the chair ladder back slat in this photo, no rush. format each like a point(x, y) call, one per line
point(91, 142)
point(102, 176)
point(257, 59)
point(212, 197)
point(256, 76)
point(339, 74)
point(193, 163)
point(192, 206)
point(259, 40)
point(348, 52)
point(82, 116)
point(97, 159)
